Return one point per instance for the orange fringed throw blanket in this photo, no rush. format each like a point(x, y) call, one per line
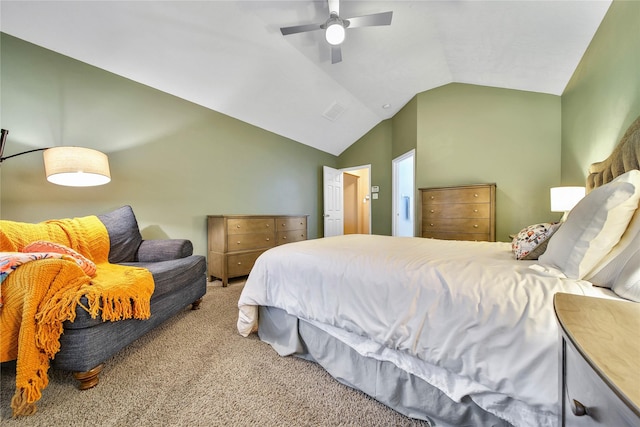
point(40, 295)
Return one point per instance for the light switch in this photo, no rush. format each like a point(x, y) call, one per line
point(374, 196)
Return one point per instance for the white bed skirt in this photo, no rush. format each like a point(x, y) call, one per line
point(381, 380)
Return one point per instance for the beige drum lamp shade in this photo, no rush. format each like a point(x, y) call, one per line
point(76, 166)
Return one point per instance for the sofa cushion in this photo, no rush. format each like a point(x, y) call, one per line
point(168, 276)
point(164, 249)
point(124, 234)
point(173, 274)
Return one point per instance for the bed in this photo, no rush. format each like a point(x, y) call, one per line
point(455, 333)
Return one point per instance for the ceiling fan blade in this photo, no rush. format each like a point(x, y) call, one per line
point(336, 54)
point(383, 18)
point(334, 6)
point(299, 29)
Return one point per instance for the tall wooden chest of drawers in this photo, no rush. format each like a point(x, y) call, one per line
point(236, 241)
point(465, 212)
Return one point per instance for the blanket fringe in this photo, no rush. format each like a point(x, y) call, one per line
point(52, 314)
point(20, 404)
point(24, 400)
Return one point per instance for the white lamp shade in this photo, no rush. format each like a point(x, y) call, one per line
point(76, 166)
point(334, 34)
point(563, 199)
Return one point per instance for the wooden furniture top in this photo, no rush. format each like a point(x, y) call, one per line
point(607, 334)
point(256, 216)
point(447, 187)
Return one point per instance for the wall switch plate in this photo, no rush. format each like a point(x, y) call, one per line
point(374, 196)
point(375, 189)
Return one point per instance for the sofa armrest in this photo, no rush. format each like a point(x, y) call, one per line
point(164, 250)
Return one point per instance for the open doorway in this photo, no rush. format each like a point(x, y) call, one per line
point(347, 201)
point(404, 195)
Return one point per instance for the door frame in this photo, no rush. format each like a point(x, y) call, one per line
point(395, 184)
point(356, 168)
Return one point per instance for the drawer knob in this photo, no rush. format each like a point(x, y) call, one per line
point(238, 226)
point(432, 211)
point(267, 225)
point(432, 197)
point(267, 239)
point(475, 210)
point(475, 225)
point(431, 224)
point(238, 242)
point(284, 237)
point(239, 263)
point(578, 408)
point(475, 195)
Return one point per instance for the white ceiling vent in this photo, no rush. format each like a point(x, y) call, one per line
point(334, 111)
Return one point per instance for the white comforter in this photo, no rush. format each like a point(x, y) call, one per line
point(482, 321)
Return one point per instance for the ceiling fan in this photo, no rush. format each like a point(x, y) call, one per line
point(335, 27)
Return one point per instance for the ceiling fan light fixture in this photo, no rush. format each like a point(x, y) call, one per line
point(334, 33)
point(335, 27)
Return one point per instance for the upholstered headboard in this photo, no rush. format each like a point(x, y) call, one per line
point(625, 157)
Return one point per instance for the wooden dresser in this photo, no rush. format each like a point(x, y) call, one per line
point(599, 361)
point(459, 213)
point(236, 241)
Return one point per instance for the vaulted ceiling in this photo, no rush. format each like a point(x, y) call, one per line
point(230, 56)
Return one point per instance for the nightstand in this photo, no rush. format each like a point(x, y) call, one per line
point(599, 361)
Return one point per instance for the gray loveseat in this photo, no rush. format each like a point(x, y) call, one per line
point(179, 278)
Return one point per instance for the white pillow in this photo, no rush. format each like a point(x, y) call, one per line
point(608, 269)
point(628, 283)
point(594, 226)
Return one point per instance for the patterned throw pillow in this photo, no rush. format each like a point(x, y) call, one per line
point(83, 262)
point(531, 242)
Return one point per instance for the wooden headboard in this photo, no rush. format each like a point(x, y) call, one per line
point(625, 157)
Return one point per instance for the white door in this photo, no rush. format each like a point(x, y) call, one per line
point(333, 212)
point(404, 195)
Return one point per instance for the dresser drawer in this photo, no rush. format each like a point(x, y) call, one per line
point(474, 237)
point(458, 195)
point(459, 225)
point(249, 225)
point(457, 210)
point(291, 236)
point(582, 384)
point(242, 263)
point(291, 223)
point(243, 242)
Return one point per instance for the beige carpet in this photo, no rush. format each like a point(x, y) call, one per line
point(195, 370)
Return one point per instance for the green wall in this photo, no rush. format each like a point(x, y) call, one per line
point(405, 129)
point(465, 134)
point(374, 149)
point(388, 140)
point(603, 97)
point(474, 134)
point(174, 161)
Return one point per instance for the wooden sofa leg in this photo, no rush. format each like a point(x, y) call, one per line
point(196, 304)
point(90, 378)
